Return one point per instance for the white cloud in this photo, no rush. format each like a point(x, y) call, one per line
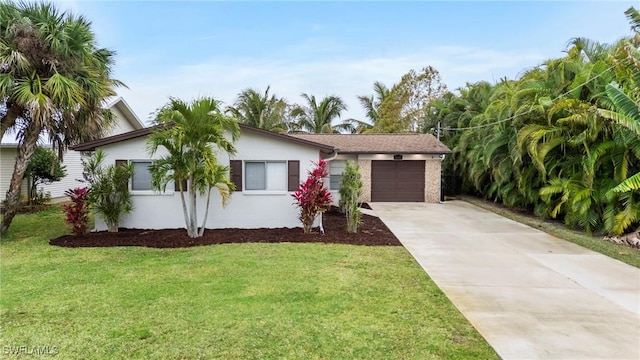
point(346, 77)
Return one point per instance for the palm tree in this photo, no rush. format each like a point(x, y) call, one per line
point(260, 110)
point(53, 79)
point(189, 132)
point(317, 118)
point(372, 102)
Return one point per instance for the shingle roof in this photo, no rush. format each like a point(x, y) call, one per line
point(92, 145)
point(379, 143)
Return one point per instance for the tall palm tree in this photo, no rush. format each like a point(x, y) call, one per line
point(317, 117)
point(260, 110)
point(53, 79)
point(189, 132)
point(372, 102)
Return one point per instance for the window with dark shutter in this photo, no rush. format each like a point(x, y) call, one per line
point(236, 173)
point(184, 186)
point(293, 172)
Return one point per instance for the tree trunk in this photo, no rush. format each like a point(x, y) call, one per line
point(112, 227)
point(206, 213)
point(193, 221)
point(10, 119)
point(184, 206)
point(25, 151)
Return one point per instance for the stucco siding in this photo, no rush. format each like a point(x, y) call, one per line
point(246, 209)
point(365, 176)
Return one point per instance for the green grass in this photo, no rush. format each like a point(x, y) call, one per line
point(623, 253)
point(237, 301)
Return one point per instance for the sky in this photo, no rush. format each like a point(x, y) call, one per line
point(216, 48)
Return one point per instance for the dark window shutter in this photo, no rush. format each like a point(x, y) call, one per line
point(121, 162)
point(184, 185)
point(236, 173)
point(293, 175)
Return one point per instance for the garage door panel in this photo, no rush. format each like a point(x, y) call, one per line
point(397, 181)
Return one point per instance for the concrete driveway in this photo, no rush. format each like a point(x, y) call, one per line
point(531, 295)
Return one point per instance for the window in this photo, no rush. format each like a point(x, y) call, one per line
point(141, 179)
point(265, 175)
point(336, 168)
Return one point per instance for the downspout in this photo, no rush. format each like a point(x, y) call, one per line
point(329, 159)
point(442, 156)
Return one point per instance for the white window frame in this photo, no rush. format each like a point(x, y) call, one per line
point(266, 180)
point(332, 174)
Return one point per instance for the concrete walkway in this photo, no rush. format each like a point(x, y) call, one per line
point(531, 295)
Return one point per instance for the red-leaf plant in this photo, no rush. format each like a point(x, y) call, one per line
point(78, 211)
point(312, 197)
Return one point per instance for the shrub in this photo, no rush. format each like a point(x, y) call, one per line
point(312, 197)
point(77, 211)
point(44, 168)
point(110, 196)
point(350, 192)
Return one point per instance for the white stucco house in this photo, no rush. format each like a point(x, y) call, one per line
point(126, 120)
point(268, 167)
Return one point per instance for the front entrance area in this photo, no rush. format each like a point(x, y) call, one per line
point(397, 181)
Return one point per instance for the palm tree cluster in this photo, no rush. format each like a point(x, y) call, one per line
point(563, 139)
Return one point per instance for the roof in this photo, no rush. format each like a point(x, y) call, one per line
point(126, 110)
point(379, 143)
point(92, 145)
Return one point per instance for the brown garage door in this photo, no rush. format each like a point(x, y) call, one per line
point(397, 181)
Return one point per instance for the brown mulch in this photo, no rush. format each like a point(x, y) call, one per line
point(372, 232)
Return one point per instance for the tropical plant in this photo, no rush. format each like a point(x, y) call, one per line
point(109, 194)
point(317, 117)
point(371, 103)
point(77, 212)
point(263, 111)
point(312, 197)
point(44, 168)
point(407, 104)
point(350, 193)
point(191, 134)
point(53, 81)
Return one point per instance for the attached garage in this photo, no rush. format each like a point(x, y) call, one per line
point(393, 167)
point(401, 181)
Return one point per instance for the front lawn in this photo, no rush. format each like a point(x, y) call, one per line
point(297, 301)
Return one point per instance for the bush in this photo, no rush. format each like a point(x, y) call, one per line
point(110, 196)
point(313, 197)
point(44, 168)
point(350, 192)
point(77, 212)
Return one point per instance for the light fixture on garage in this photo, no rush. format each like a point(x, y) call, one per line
point(397, 157)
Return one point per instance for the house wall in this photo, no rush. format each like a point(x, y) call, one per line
point(246, 209)
point(7, 162)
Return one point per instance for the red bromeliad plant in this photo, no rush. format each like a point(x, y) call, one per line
point(78, 211)
point(312, 197)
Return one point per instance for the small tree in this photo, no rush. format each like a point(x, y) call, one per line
point(77, 213)
point(350, 192)
point(44, 168)
point(312, 197)
point(110, 196)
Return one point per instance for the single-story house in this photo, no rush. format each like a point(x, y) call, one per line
point(126, 120)
point(268, 167)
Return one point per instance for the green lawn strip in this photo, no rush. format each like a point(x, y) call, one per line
point(620, 252)
point(231, 301)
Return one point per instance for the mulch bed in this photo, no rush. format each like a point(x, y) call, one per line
point(372, 232)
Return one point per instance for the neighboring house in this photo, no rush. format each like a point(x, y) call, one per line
point(126, 120)
point(393, 167)
point(268, 167)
